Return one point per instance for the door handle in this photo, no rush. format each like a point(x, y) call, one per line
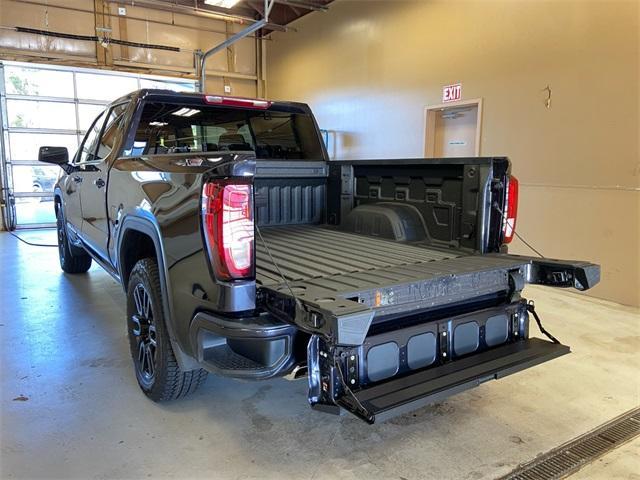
point(77, 179)
point(99, 183)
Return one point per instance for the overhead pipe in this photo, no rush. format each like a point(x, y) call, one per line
point(222, 46)
point(95, 38)
point(268, 5)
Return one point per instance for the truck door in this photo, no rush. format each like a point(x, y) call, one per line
point(93, 191)
point(72, 183)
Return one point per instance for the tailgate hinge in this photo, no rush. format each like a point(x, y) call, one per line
point(337, 320)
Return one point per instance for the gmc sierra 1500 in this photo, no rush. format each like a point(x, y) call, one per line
point(245, 252)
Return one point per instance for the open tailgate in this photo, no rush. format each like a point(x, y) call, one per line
point(386, 339)
point(342, 307)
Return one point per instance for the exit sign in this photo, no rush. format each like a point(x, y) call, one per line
point(451, 93)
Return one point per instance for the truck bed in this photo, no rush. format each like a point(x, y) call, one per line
point(309, 252)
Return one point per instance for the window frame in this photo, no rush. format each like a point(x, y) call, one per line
point(105, 122)
point(76, 161)
point(116, 146)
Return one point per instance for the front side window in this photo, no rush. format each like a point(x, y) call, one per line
point(95, 146)
point(112, 131)
point(88, 148)
point(169, 128)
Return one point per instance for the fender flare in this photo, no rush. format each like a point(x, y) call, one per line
point(149, 227)
point(58, 198)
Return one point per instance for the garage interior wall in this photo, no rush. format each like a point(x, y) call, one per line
point(368, 69)
point(238, 68)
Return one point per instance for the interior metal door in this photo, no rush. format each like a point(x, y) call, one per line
point(455, 132)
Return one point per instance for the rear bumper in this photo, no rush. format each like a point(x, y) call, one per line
point(253, 348)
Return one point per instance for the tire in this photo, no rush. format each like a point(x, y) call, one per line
point(70, 262)
point(156, 368)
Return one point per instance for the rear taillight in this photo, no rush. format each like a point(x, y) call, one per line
point(227, 223)
point(510, 210)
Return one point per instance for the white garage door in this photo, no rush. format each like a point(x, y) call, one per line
point(44, 105)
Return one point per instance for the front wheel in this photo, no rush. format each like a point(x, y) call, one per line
point(157, 370)
point(69, 262)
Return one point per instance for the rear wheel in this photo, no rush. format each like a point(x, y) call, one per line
point(157, 370)
point(70, 262)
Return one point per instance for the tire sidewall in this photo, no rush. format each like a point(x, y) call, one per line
point(71, 261)
point(64, 252)
point(145, 272)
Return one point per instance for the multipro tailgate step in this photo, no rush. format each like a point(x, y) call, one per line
point(404, 394)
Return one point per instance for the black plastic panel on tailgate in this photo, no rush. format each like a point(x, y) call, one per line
point(401, 395)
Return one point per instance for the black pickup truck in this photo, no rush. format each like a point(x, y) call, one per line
point(245, 252)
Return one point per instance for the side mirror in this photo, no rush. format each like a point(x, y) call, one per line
point(56, 155)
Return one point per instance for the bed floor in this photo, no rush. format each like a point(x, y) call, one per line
point(310, 251)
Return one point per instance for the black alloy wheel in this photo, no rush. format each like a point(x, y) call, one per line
point(157, 370)
point(77, 261)
point(144, 330)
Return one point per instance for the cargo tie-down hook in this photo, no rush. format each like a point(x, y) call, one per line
point(547, 102)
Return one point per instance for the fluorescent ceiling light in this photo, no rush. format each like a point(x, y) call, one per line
point(186, 112)
point(158, 124)
point(222, 3)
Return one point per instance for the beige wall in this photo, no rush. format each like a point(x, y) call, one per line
point(143, 25)
point(369, 68)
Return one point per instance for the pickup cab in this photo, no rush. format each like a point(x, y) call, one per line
point(245, 252)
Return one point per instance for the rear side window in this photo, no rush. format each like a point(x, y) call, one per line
point(271, 134)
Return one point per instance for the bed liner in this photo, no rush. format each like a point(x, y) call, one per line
point(307, 252)
point(346, 273)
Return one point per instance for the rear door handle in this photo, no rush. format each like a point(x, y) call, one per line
point(99, 183)
point(77, 179)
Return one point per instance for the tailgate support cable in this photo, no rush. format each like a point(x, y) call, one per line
point(357, 407)
point(531, 307)
point(284, 279)
point(504, 218)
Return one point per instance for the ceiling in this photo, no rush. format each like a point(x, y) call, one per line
point(283, 12)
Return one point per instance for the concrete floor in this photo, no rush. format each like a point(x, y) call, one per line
point(64, 351)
